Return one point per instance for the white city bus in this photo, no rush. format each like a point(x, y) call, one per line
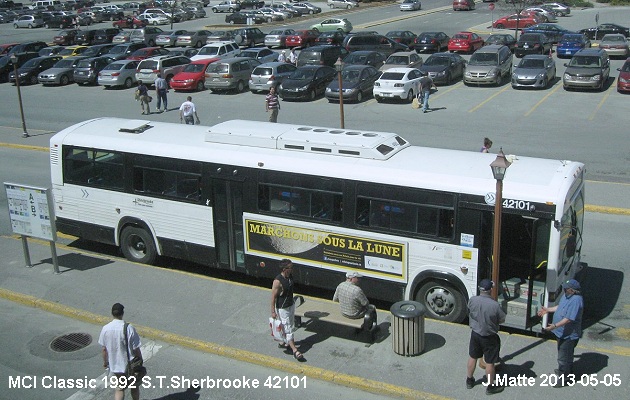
point(416, 222)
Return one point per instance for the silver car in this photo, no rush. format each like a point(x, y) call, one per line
point(278, 37)
point(348, 4)
point(230, 74)
point(534, 70)
point(119, 73)
point(195, 39)
point(61, 73)
point(269, 75)
point(410, 5)
point(28, 21)
point(169, 38)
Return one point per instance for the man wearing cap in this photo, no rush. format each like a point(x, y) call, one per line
point(353, 302)
point(567, 326)
point(283, 306)
point(484, 315)
point(112, 339)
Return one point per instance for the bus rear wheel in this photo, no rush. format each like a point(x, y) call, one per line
point(443, 301)
point(137, 245)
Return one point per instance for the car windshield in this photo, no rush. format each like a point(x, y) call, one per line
point(398, 60)
point(438, 61)
point(263, 71)
point(219, 68)
point(91, 52)
point(459, 36)
point(208, 51)
point(30, 63)
point(392, 76)
point(355, 59)
point(65, 63)
point(483, 59)
point(531, 63)
point(584, 62)
point(67, 52)
point(303, 74)
point(117, 50)
point(249, 54)
point(626, 67)
point(351, 76)
point(194, 67)
point(613, 39)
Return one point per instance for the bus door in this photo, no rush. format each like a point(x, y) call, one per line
point(227, 200)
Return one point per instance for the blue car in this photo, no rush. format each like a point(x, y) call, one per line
point(571, 43)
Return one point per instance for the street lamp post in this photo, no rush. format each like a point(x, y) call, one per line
point(14, 60)
point(499, 167)
point(339, 68)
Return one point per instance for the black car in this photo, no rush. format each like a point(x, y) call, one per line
point(605, 29)
point(124, 50)
point(365, 57)
point(333, 37)
point(444, 68)
point(6, 66)
point(532, 43)
point(60, 21)
point(28, 47)
point(98, 50)
point(405, 37)
point(29, 71)
point(431, 42)
point(243, 17)
point(306, 82)
point(86, 37)
point(105, 35)
point(357, 82)
point(255, 4)
point(501, 38)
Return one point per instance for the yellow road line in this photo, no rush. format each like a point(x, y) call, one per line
point(601, 103)
point(478, 106)
point(552, 91)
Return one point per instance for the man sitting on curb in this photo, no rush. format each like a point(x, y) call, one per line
point(353, 302)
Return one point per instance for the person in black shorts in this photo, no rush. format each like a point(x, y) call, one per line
point(484, 315)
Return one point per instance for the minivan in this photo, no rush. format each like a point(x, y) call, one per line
point(230, 73)
point(588, 69)
point(489, 65)
point(167, 66)
point(379, 43)
point(321, 55)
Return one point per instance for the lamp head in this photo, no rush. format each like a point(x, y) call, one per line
point(339, 65)
point(499, 166)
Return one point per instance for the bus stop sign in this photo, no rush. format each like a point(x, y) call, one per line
point(491, 6)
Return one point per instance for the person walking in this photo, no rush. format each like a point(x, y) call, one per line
point(142, 95)
point(118, 352)
point(161, 89)
point(567, 327)
point(484, 315)
point(487, 143)
point(188, 112)
point(282, 57)
point(272, 103)
point(283, 306)
point(292, 57)
point(353, 302)
point(425, 84)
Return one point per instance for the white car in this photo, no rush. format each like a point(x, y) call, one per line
point(155, 19)
point(223, 49)
point(348, 4)
point(546, 15)
point(559, 8)
point(398, 84)
point(410, 5)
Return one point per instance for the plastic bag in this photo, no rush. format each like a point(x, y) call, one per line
point(277, 330)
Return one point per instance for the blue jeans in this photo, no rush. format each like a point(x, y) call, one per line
point(161, 97)
point(425, 96)
point(566, 349)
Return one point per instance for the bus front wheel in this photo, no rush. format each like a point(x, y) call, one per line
point(442, 301)
point(137, 245)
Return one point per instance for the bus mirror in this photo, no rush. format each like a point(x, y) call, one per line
point(571, 245)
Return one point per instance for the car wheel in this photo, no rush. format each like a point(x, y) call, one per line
point(151, 43)
point(331, 6)
point(16, 26)
point(154, 23)
point(359, 96)
point(378, 99)
point(312, 95)
point(198, 44)
point(499, 79)
point(240, 86)
point(310, 12)
point(410, 96)
point(545, 83)
point(60, 26)
point(231, 10)
point(200, 86)
point(449, 79)
point(349, 7)
point(64, 80)
point(128, 83)
point(34, 80)
point(45, 26)
point(214, 10)
point(500, 26)
point(269, 20)
point(231, 22)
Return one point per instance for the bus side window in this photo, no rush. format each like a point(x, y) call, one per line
point(446, 223)
point(363, 212)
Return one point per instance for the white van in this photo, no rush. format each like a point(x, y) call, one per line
point(47, 3)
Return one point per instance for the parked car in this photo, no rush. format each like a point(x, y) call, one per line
point(254, 4)
point(553, 31)
point(105, 35)
point(409, 59)
point(272, 15)
point(516, 21)
point(97, 50)
point(86, 71)
point(268, 75)
point(278, 37)
point(623, 82)
point(615, 44)
point(599, 31)
point(306, 82)
point(66, 37)
point(60, 21)
point(332, 37)
point(224, 49)
point(50, 51)
point(431, 41)
point(168, 66)
point(505, 39)
point(444, 68)
point(193, 76)
point(376, 42)
point(230, 74)
point(321, 55)
point(29, 71)
point(154, 19)
point(301, 38)
point(85, 37)
point(546, 15)
point(226, 6)
point(6, 65)
point(194, 39)
point(122, 37)
point(188, 52)
point(147, 52)
point(6, 47)
point(333, 24)
point(221, 36)
point(560, 9)
point(397, 84)
point(249, 37)
point(72, 51)
point(467, 42)
point(489, 66)
point(243, 17)
point(168, 38)
point(535, 71)
point(571, 43)
point(28, 21)
point(260, 54)
point(130, 21)
point(124, 50)
point(347, 4)
point(62, 73)
point(407, 38)
point(463, 5)
point(410, 5)
point(307, 8)
point(357, 83)
point(145, 35)
point(532, 43)
point(588, 69)
point(365, 57)
point(118, 73)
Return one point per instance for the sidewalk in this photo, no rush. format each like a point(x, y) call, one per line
point(230, 319)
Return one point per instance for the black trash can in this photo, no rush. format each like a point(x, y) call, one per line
point(408, 327)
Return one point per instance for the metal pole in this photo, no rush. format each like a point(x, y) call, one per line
point(341, 99)
point(27, 256)
point(53, 251)
point(496, 245)
point(17, 84)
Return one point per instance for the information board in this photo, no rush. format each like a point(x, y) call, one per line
point(31, 211)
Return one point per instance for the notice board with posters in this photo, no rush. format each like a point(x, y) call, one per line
point(31, 211)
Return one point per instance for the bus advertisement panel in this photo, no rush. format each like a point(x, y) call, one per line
point(318, 248)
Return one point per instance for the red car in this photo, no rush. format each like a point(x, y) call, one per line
point(301, 38)
point(510, 22)
point(66, 37)
point(465, 41)
point(623, 82)
point(147, 52)
point(193, 76)
point(5, 48)
point(130, 22)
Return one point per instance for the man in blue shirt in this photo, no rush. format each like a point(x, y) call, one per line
point(566, 325)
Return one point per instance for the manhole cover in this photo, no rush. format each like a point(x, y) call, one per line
point(71, 342)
